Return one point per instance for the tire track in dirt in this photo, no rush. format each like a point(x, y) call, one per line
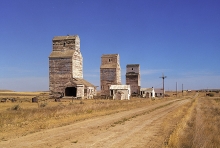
point(102, 131)
point(139, 132)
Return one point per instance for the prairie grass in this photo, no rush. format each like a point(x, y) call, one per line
point(200, 127)
point(22, 118)
point(170, 123)
point(208, 125)
point(178, 137)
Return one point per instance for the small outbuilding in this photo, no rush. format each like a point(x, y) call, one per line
point(159, 92)
point(147, 92)
point(120, 92)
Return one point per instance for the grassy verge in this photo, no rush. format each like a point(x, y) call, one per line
point(208, 125)
point(200, 126)
point(178, 137)
point(172, 121)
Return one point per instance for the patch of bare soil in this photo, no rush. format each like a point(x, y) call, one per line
point(134, 128)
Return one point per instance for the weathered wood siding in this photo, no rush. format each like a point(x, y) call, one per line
point(77, 65)
point(60, 73)
point(66, 69)
point(65, 63)
point(110, 72)
point(133, 77)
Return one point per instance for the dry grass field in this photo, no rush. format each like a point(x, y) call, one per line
point(23, 117)
point(192, 124)
point(200, 127)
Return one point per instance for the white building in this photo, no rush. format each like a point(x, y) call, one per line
point(120, 92)
point(147, 92)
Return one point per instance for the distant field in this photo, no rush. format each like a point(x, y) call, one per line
point(23, 96)
point(17, 94)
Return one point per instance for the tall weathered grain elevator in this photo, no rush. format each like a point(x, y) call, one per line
point(110, 72)
point(133, 78)
point(66, 69)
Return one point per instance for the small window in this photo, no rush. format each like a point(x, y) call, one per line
point(132, 69)
point(64, 44)
point(109, 60)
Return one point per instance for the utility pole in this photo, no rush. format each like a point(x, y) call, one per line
point(176, 89)
point(163, 77)
point(182, 89)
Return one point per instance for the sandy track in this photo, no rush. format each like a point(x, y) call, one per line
point(134, 128)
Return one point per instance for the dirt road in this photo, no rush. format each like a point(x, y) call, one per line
point(135, 128)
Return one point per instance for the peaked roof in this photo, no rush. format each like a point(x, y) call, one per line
point(79, 81)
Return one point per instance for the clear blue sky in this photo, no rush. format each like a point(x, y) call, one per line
point(180, 38)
